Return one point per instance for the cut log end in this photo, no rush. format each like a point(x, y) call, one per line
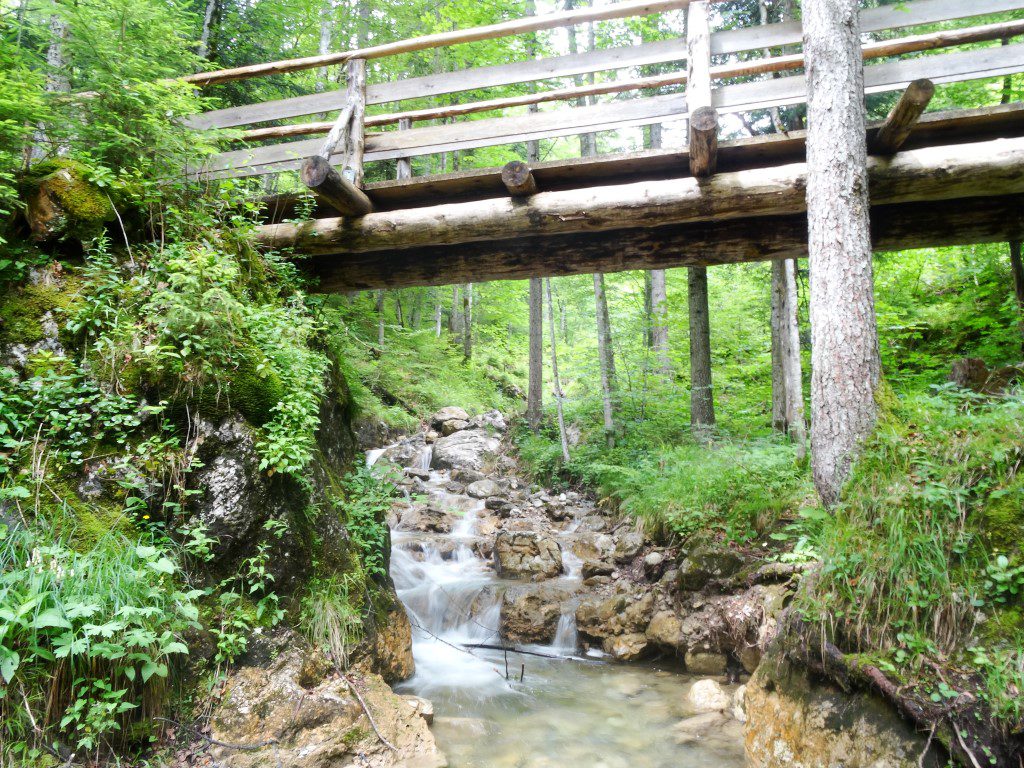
point(518, 179)
point(703, 141)
point(904, 116)
point(325, 181)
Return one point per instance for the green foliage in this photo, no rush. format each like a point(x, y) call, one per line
point(86, 639)
point(369, 494)
point(331, 616)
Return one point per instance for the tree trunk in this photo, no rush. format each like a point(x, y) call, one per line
point(57, 79)
point(380, 319)
point(456, 313)
point(554, 376)
point(787, 379)
point(399, 316)
point(845, 368)
point(1018, 281)
point(659, 321)
point(417, 304)
point(211, 20)
point(794, 369)
point(438, 314)
point(535, 390)
point(467, 320)
point(605, 356)
point(326, 23)
point(702, 404)
point(588, 141)
point(779, 320)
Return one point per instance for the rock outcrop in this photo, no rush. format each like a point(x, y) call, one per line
point(527, 555)
point(465, 449)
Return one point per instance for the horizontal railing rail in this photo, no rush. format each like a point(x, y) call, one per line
point(946, 67)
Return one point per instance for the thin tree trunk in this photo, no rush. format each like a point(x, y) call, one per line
point(605, 357)
point(380, 319)
point(648, 311)
point(588, 141)
point(399, 315)
point(702, 404)
point(794, 369)
point(535, 390)
point(456, 314)
point(563, 320)
point(554, 376)
point(779, 341)
point(845, 368)
point(659, 321)
point(1017, 268)
point(57, 79)
point(467, 321)
point(326, 23)
point(417, 304)
point(210, 19)
point(438, 314)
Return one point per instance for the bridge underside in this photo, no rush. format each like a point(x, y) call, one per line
point(960, 181)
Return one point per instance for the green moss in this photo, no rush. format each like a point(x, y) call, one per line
point(86, 206)
point(1004, 626)
point(23, 310)
point(252, 393)
point(1001, 521)
point(354, 736)
point(84, 523)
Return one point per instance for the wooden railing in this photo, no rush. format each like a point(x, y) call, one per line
point(349, 145)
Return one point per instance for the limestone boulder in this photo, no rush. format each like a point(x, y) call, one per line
point(527, 555)
point(627, 647)
point(530, 613)
point(703, 663)
point(483, 489)
point(425, 518)
point(707, 696)
point(407, 452)
point(468, 449)
point(793, 720)
point(623, 613)
point(450, 413)
point(315, 718)
point(705, 564)
point(452, 426)
point(627, 546)
point(491, 420)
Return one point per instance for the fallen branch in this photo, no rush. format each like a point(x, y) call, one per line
point(514, 649)
point(366, 710)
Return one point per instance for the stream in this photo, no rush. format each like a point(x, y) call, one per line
point(559, 708)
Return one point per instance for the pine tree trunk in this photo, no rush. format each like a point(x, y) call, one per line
point(779, 340)
point(438, 314)
point(467, 320)
point(1017, 268)
point(399, 316)
point(326, 23)
point(57, 80)
point(554, 375)
point(845, 368)
point(702, 404)
point(535, 390)
point(211, 19)
point(659, 321)
point(793, 368)
point(456, 313)
point(605, 356)
point(417, 304)
point(380, 319)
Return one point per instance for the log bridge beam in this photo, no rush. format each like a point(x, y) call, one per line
point(932, 196)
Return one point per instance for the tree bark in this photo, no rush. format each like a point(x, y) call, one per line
point(438, 314)
point(57, 79)
point(794, 369)
point(380, 319)
point(659, 322)
point(467, 320)
point(702, 404)
point(456, 314)
point(554, 376)
point(605, 357)
point(845, 367)
point(1018, 281)
point(535, 390)
point(211, 19)
point(787, 380)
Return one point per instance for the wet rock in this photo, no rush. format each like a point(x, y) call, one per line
point(628, 647)
point(419, 474)
point(407, 452)
point(704, 564)
point(628, 546)
point(593, 523)
point(482, 489)
point(455, 487)
point(468, 449)
point(593, 568)
point(739, 704)
point(665, 629)
point(422, 707)
point(391, 646)
point(593, 546)
point(694, 728)
point(503, 507)
point(750, 657)
point(452, 426)
point(467, 476)
point(620, 614)
point(701, 663)
point(654, 565)
point(707, 696)
point(318, 724)
point(490, 420)
point(524, 554)
point(793, 720)
point(451, 413)
point(425, 519)
point(530, 614)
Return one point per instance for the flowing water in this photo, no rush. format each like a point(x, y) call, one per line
point(494, 710)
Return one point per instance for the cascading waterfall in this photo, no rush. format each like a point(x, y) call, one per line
point(498, 710)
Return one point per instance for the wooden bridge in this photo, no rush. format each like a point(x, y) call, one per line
point(937, 178)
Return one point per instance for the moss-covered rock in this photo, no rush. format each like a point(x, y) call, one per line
point(30, 313)
point(61, 202)
point(1001, 521)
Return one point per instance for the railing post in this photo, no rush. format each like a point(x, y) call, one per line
point(353, 170)
point(404, 165)
point(703, 122)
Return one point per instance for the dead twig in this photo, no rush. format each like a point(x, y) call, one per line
point(366, 709)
